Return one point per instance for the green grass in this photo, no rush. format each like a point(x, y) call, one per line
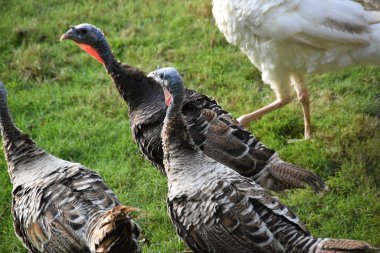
point(65, 100)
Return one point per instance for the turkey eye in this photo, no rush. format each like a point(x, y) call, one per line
point(162, 75)
point(82, 31)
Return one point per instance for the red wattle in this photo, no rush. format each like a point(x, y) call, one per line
point(91, 51)
point(168, 97)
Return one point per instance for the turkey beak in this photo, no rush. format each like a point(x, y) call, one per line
point(155, 78)
point(152, 74)
point(68, 35)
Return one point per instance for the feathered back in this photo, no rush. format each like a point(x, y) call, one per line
point(212, 128)
point(58, 204)
point(214, 209)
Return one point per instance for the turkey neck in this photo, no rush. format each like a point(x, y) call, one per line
point(174, 109)
point(19, 149)
point(140, 92)
point(105, 52)
point(177, 143)
point(8, 129)
point(186, 167)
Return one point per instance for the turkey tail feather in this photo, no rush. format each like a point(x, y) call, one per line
point(344, 246)
point(278, 175)
point(115, 232)
point(295, 177)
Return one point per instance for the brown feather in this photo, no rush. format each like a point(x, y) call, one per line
point(115, 231)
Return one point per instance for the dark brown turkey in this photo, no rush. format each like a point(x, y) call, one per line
point(212, 129)
point(60, 206)
point(214, 209)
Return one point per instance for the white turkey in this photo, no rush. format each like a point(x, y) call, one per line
point(212, 128)
point(288, 39)
point(214, 209)
point(60, 206)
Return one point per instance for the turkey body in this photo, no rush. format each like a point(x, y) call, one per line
point(60, 206)
point(214, 209)
point(212, 128)
point(221, 211)
point(288, 39)
point(55, 213)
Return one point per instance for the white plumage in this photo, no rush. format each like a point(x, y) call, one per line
point(287, 39)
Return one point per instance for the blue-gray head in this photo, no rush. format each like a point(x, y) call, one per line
point(171, 82)
point(88, 37)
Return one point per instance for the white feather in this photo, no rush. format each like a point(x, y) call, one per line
point(287, 39)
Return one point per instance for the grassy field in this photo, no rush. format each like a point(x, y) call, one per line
point(65, 100)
